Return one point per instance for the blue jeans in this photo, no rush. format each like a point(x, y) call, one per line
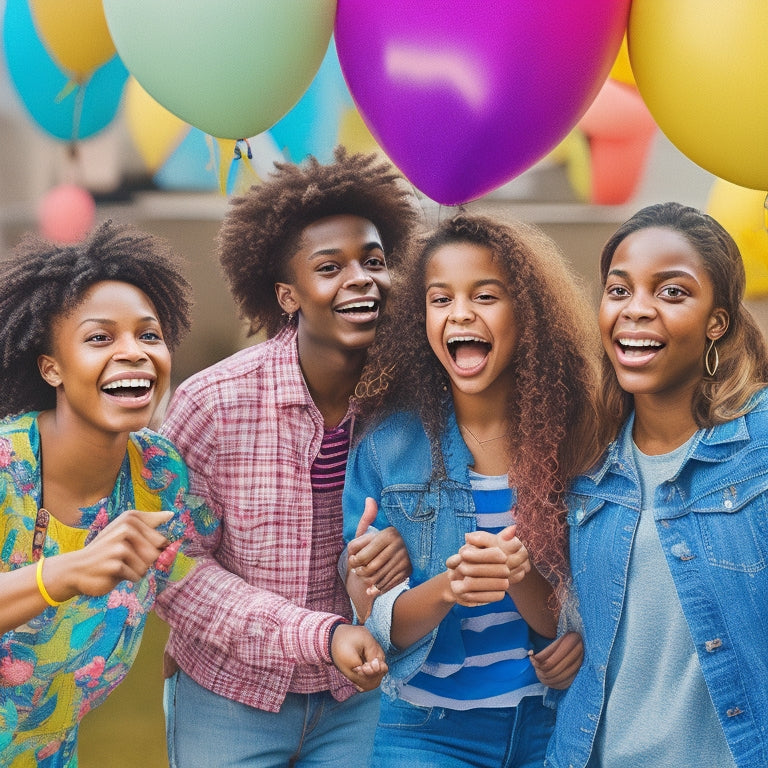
point(205, 730)
point(434, 737)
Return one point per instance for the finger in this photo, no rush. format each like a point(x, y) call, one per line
point(476, 555)
point(480, 539)
point(508, 533)
point(370, 510)
point(154, 519)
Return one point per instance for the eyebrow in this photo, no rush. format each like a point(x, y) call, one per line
point(667, 275)
point(110, 321)
point(478, 284)
point(374, 245)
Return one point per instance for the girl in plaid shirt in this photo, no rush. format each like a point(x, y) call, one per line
point(267, 669)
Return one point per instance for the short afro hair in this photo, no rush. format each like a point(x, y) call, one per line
point(42, 281)
point(261, 230)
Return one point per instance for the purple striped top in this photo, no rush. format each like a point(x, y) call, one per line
point(327, 472)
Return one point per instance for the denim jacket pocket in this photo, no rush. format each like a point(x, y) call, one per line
point(412, 510)
point(580, 511)
point(733, 521)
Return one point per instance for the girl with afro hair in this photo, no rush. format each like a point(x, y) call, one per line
point(478, 413)
point(265, 666)
point(94, 506)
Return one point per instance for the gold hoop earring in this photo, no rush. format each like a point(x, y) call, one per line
point(711, 367)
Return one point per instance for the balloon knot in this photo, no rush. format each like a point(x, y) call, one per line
point(238, 151)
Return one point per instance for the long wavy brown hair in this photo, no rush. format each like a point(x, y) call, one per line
point(743, 368)
point(551, 432)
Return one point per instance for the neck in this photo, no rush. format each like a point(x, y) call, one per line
point(483, 424)
point(661, 425)
point(331, 376)
point(79, 466)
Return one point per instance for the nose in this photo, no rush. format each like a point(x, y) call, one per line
point(639, 306)
point(357, 275)
point(461, 311)
point(129, 348)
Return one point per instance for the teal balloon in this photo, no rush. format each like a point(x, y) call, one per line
point(312, 126)
point(191, 165)
point(65, 112)
point(231, 68)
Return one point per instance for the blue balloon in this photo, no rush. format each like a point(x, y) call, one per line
point(192, 165)
point(66, 110)
point(312, 126)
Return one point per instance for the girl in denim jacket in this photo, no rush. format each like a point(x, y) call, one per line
point(479, 425)
point(669, 532)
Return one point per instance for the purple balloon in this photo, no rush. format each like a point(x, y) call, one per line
point(464, 95)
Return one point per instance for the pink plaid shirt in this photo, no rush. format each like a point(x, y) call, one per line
point(249, 432)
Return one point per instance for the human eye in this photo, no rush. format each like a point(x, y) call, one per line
point(98, 337)
point(437, 299)
point(151, 336)
point(673, 292)
point(376, 261)
point(616, 291)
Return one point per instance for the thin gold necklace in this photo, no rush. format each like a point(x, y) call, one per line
point(464, 427)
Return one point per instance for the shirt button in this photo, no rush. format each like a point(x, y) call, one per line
point(733, 711)
point(728, 504)
point(713, 645)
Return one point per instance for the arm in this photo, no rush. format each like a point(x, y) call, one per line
point(125, 549)
point(557, 665)
point(212, 603)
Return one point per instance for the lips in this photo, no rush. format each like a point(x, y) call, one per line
point(469, 352)
point(135, 391)
point(637, 351)
point(364, 310)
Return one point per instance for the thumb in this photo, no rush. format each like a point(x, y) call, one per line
point(155, 519)
point(508, 533)
point(370, 511)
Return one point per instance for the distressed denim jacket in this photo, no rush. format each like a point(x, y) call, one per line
point(712, 520)
point(393, 464)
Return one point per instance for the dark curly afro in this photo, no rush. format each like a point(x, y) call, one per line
point(42, 281)
point(262, 228)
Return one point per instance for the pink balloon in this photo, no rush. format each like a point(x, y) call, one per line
point(464, 95)
point(66, 214)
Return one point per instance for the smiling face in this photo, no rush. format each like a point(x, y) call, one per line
point(470, 319)
point(108, 360)
point(339, 283)
point(657, 314)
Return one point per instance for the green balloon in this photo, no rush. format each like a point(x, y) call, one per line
point(231, 68)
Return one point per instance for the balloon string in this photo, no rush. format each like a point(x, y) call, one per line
point(239, 152)
point(765, 212)
point(77, 113)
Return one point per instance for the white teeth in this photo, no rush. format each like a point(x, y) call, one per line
point(366, 305)
point(126, 383)
point(466, 338)
point(639, 343)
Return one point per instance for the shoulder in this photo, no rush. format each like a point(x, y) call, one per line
point(156, 450)
point(402, 428)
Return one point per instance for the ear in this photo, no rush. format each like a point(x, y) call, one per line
point(718, 324)
point(49, 370)
point(286, 297)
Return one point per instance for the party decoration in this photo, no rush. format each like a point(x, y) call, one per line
point(64, 109)
point(702, 69)
point(742, 212)
point(75, 33)
point(465, 96)
point(66, 214)
point(231, 68)
point(312, 126)
point(177, 155)
point(620, 130)
point(622, 67)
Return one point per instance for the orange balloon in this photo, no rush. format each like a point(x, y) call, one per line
point(75, 33)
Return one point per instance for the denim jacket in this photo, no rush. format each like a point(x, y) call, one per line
point(393, 464)
point(712, 520)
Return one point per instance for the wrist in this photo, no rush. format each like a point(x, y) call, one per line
point(331, 633)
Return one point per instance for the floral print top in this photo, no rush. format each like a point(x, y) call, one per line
point(67, 660)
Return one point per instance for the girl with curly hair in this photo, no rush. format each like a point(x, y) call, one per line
point(485, 413)
point(91, 500)
point(270, 669)
point(669, 533)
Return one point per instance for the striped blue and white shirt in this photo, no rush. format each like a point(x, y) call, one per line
point(491, 666)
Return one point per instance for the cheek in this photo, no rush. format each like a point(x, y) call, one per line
point(434, 328)
point(605, 321)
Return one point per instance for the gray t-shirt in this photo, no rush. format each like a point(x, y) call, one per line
point(658, 711)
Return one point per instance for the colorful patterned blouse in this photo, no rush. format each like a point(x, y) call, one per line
point(67, 660)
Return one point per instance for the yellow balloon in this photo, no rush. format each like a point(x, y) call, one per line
point(622, 69)
point(155, 131)
point(75, 33)
point(702, 69)
point(742, 212)
point(354, 133)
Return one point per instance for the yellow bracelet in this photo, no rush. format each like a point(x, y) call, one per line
point(43, 591)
